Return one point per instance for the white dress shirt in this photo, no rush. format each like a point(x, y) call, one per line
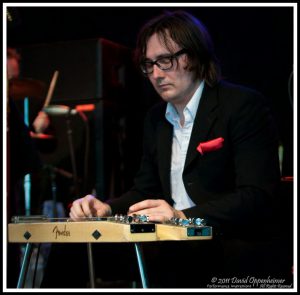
point(181, 139)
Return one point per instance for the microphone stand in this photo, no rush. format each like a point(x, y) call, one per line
point(72, 152)
point(87, 147)
point(53, 190)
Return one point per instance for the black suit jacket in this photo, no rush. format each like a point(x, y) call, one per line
point(233, 186)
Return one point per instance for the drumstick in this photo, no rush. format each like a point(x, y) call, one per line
point(51, 89)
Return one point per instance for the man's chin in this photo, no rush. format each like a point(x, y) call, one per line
point(166, 99)
point(166, 96)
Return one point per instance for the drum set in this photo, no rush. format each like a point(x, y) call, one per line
point(21, 89)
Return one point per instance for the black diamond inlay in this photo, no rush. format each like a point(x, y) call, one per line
point(96, 234)
point(27, 235)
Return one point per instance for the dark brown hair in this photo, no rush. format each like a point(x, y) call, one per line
point(188, 33)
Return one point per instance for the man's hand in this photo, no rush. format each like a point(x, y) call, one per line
point(41, 122)
point(157, 210)
point(89, 206)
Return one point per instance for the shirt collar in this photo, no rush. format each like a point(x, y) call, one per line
point(192, 106)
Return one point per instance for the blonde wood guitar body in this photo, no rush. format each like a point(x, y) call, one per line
point(88, 231)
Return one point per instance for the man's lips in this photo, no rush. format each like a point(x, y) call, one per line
point(162, 86)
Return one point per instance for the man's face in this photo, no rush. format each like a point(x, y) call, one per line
point(175, 85)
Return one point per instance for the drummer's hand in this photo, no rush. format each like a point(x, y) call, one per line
point(89, 206)
point(41, 122)
point(157, 210)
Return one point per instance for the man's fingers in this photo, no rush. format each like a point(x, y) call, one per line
point(76, 209)
point(74, 216)
point(158, 218)
point(86, 208)
point(83, 207)
point(144, 205)
point(140, 212)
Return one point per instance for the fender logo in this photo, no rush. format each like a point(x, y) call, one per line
point(63, 232)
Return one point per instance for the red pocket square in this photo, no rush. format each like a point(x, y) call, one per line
point(210, 145)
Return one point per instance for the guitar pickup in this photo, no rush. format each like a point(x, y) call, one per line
point(199, 231)
point(142, 228)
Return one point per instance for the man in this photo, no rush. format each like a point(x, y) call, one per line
point(22, 158)
point(23, 155)
point(210, 147)
point(227, 185)
point(41, 121)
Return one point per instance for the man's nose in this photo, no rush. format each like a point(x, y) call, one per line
point(157, 72)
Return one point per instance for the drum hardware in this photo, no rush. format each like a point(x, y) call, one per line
point(19, 89)
point(40, 135)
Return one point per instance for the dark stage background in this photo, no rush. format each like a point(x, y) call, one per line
point(254, 46)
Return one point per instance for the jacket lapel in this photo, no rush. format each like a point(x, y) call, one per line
point(164, 146)
point(205, 117)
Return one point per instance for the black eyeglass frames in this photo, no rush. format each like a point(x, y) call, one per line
point(164, 62)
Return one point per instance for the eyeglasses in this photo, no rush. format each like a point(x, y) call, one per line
point(164, 62)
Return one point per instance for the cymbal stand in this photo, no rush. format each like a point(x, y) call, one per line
point(52, 174)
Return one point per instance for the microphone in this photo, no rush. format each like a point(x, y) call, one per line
point(61, 110)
